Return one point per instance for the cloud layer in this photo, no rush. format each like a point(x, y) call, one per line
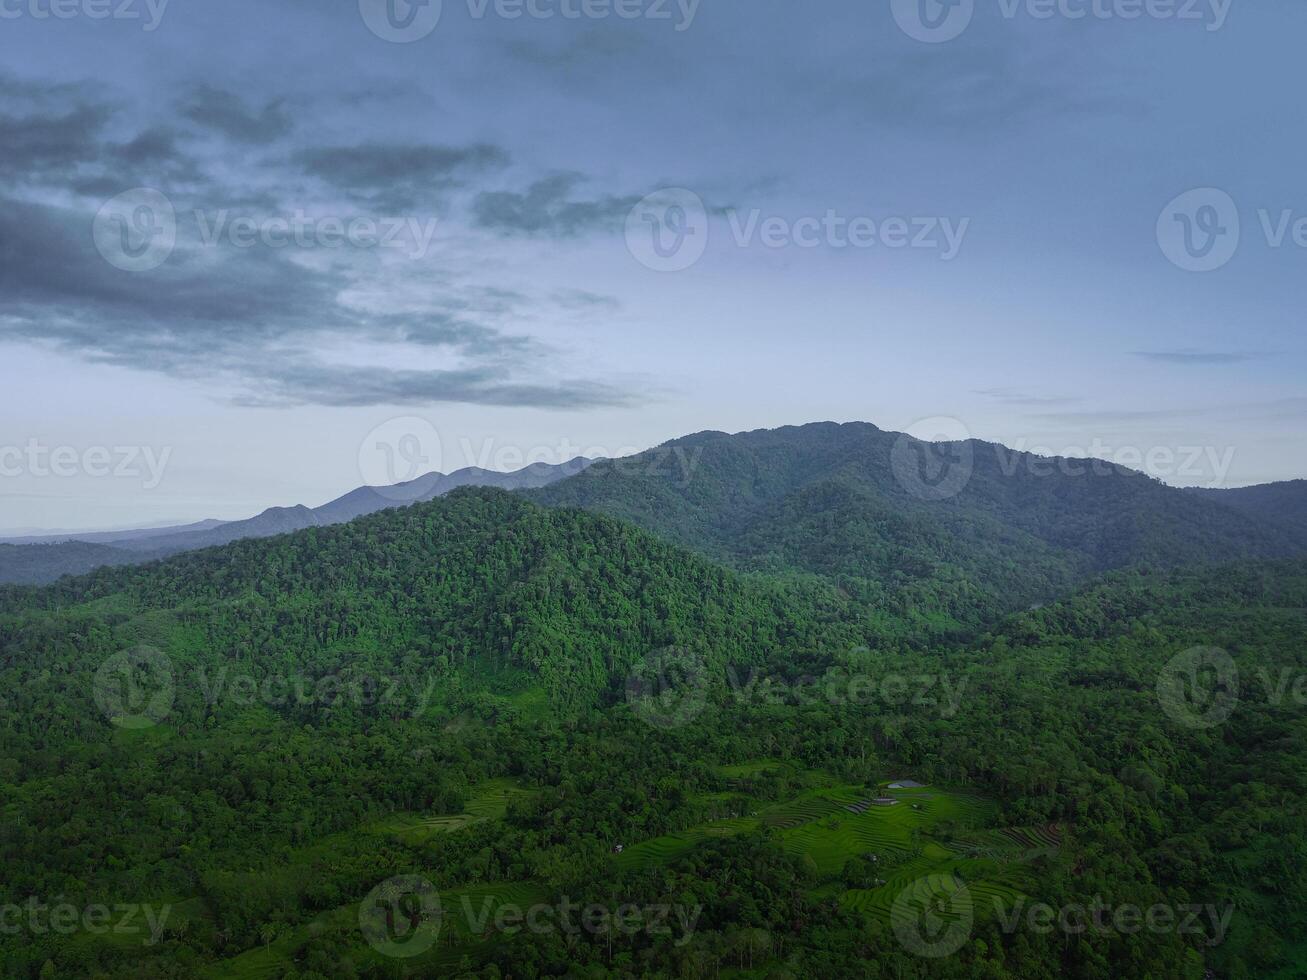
point(263, 316)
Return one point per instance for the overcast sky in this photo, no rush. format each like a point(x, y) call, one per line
point(258, 253)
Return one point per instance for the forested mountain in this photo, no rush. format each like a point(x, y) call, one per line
point(988, 527)
point(1283, 505)
point(483, 581)
point(37, 563)
point(333, 707)
point(68, 555)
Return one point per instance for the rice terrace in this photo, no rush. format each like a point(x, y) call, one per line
point(864, 846)
point(896, 837)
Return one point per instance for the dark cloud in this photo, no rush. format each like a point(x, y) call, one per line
point(399, 175)
point(261, 323)
point(1195, 357)
point(227, 113)
point(47, 144)
point(326, 384)
point(548, 208)
point(60, 137)
point(157, 145)
point(267, 324)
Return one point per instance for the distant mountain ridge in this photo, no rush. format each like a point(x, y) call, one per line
point(939, 533)
point(106, 537)
point(1282, 504)
point(42, 559)
point(852, 500)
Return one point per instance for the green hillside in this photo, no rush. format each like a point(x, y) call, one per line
point(843, 500)
point(256, 738)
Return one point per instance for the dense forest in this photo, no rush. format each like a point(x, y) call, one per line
point(791, 705)
point(844, 500)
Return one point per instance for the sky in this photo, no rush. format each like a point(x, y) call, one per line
point(260, 253)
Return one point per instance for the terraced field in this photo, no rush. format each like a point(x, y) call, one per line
point(463, 909)
point(1011, 843)
point(942, 838)
point(466, 929)
point(744, 770)
point(668, 848)
point(930, 841)
point(489, 801)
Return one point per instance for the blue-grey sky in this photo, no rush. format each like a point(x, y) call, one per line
point(977, 212)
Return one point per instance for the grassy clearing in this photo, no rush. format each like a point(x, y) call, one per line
point(927, 837)
point(486, 802)
point(930, 841)
point(489, 801)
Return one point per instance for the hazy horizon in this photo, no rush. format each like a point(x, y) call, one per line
point(5, 532)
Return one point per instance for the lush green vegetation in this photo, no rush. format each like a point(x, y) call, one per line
point(442, 691)
point(836, 500)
